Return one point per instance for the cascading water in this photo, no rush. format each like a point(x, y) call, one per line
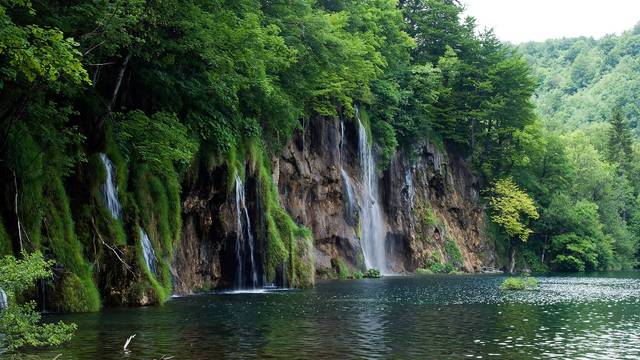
point(110, 188)
point(411, 190)
point(147, 252)
point(348, 186)
point(351, 204)
point(371, 222)
point(4, 302)
point(244, 242)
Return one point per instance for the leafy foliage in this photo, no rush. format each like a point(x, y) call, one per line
point(512, 207)
point(20, 324)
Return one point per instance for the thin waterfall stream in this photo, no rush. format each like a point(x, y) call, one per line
point(110, 188)
point(4, 302)
point(148, 253)
point(371, 221)
point(348, 183)
point(245, 247)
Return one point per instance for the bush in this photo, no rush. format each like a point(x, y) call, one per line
point(357, 275)
point(20, 324)
point(421, 271)
point(519, 283)
point(372, 274)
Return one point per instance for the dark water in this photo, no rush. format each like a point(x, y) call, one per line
point(402, 317)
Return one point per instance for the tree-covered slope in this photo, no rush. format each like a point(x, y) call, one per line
point(582, 79)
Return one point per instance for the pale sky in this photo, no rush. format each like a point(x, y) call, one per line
point(519, 21)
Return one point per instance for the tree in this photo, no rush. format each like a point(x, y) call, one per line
point(620, 141)
point(19, 324)
point(512, 210)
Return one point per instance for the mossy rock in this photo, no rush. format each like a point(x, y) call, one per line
point(73, 294)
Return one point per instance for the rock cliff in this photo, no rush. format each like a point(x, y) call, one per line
point(431, 209)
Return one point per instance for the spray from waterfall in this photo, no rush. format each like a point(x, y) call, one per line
point(371, 221)
point(4, 301)
point(245, 246)
point(110, 188)
point(147, 252)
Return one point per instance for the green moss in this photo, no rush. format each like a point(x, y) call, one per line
point(360, 263)
point(428, 218)
point(453, 254)
point(342, 269)
point(26, 158)
point(157, 200)
point(75, 294)
point(80, 293)
point(422, 271)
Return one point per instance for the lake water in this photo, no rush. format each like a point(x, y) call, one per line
point(467, 316)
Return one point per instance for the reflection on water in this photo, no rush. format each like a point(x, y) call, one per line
point(399, 317)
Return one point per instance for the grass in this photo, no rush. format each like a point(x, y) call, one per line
point(519, 283)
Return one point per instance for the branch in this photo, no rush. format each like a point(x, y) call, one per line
point(15, 184)
point(115, 251)
point(116, 90)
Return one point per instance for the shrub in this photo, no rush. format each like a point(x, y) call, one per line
point(372, 274)
point(422, 271)
point(519, 283)
point(357, 275)
point(20, 324)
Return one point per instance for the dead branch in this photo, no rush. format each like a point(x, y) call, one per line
point(114, 250)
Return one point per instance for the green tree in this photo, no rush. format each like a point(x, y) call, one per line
point(512, 209)
point(619, 142)
point(20, 323)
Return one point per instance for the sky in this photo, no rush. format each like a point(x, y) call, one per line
point(519, 21)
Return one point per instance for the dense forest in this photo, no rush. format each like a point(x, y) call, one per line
point(586, 184)
point(164, 88)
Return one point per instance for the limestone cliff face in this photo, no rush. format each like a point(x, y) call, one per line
point(429, 203)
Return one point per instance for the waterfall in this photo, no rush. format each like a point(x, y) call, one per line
point(346, 179)
point(147, 252)
point(244, 240)
point(4, 302)
point(371, 222)
point(110, 188)
point(411, 190)
point(351, 204)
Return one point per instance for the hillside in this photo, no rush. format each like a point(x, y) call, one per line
point(582, 79)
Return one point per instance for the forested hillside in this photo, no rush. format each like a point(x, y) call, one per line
point(587, 102)
point(583, 79)
point(165, 88)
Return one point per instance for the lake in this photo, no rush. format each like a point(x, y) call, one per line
point(442, 316)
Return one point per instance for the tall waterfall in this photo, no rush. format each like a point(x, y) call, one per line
point(4, 302)
point(371, 222)
point(110, 188)
point(244, 242)
point(147, 252)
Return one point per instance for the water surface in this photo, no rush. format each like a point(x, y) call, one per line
point(595, 317)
